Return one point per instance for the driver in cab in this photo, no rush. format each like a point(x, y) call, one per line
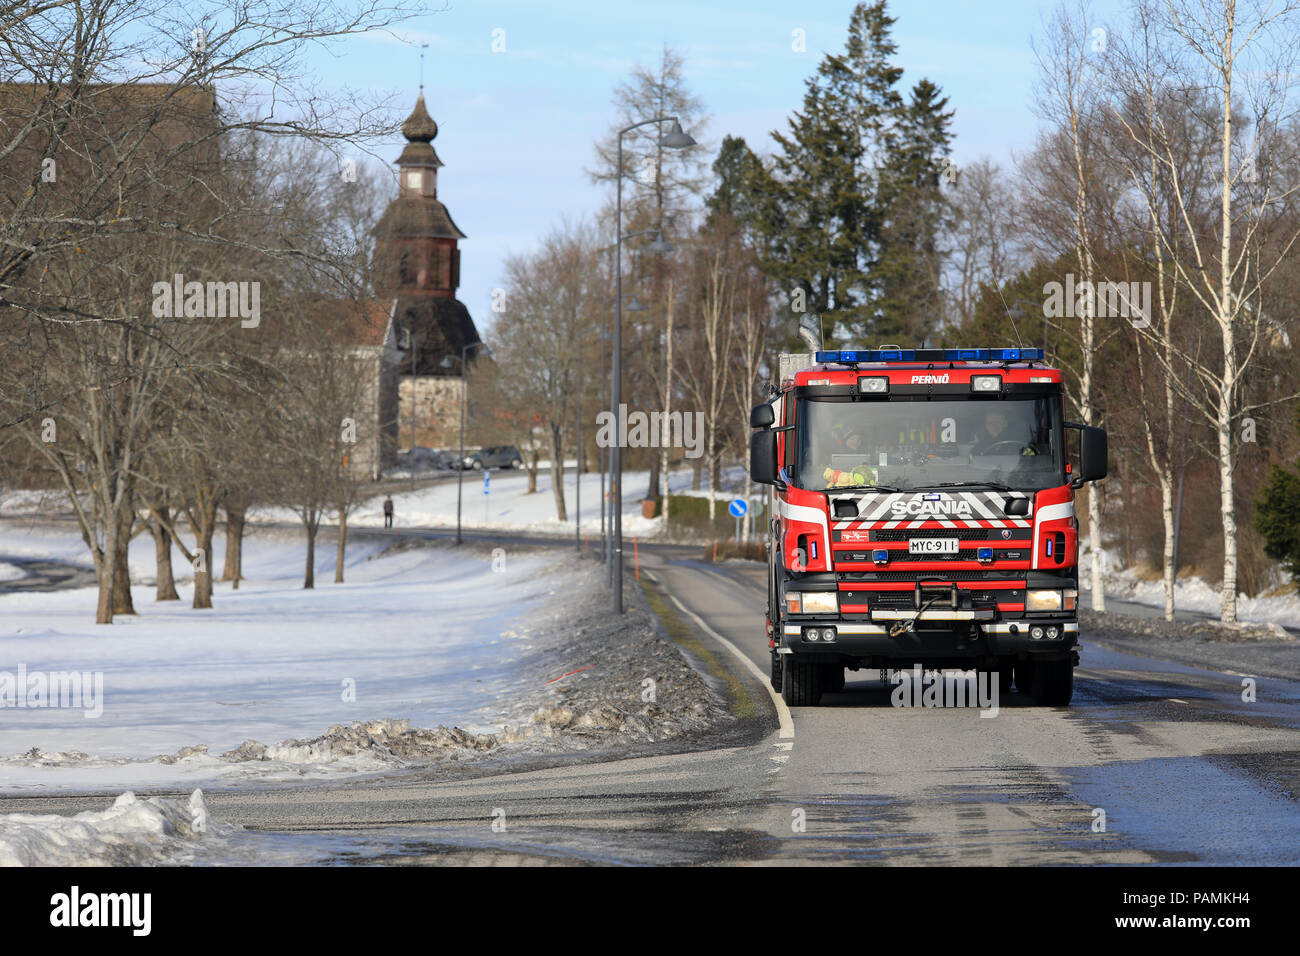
point(995, 439)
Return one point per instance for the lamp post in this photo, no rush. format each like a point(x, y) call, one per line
point(460, 461)
point(606, 538)
point(413, 347)
point(675, 139)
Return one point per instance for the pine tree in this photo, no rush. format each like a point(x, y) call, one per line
point(915, 212)
point(850, 209)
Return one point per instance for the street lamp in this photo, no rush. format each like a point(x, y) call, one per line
point(676, 139)
point(460, 461)
point(606, 538)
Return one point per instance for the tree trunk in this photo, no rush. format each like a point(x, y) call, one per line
point(1228, 596)
point(652, 486)
point(557, 472)
point(532, 472)
point(342, 545)
point(309, 579)
point(104, 578)
point(234, 569)
point(203, 579)
point(697, 466)
point(207, 525)
point(122, 603)
point(165, 588)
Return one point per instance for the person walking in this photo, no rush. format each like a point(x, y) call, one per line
point(388, 511)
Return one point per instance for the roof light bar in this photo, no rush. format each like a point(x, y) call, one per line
point(854, 357)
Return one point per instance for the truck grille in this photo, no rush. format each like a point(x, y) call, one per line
point(965, 534)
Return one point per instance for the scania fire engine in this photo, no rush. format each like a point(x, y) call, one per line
point(922, 514)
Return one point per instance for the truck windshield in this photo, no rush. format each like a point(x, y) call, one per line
point(912, 445)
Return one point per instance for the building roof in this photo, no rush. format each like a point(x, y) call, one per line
point(439, 327)
point(416, 217)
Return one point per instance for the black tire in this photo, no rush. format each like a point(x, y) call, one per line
point(1005, 674)
point(833, 679)
point(776, 672)
point(801, 682)
point(1054, 683)
point(1025, 677)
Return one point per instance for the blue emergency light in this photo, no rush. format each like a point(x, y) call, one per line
point(984, 554)
point(880, 557)
point(855, 357)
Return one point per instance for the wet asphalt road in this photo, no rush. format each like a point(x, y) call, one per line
point(1183, 770)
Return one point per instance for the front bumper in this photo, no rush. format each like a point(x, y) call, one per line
point(969, 634)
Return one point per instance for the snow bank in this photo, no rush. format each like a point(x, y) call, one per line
point(132, 832)
point(1190, 593)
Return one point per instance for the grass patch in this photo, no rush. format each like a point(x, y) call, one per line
point(680, 633)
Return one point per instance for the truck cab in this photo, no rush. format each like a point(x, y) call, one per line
point(923, 515)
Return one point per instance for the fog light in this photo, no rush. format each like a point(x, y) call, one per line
point(873, 385)
point(811, 633)
point(1036, 632)
point(828, 634)
point(1052, 633)
point(986, 383)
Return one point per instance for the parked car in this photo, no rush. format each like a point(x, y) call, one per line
point(497, 456)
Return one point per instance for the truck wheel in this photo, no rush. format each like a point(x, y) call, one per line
point(1025, 677)
point(776, 672)
point(1054, 683)
point(801, 682)
point(833, 679)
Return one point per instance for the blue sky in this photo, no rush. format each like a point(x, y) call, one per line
point(516, 128)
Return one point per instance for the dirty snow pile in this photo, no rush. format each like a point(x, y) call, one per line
point(132, 832)
point(611, 684)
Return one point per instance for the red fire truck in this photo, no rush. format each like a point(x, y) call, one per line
point(923, 514)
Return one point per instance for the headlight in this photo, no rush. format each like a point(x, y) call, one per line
point(874, 385)
point(986, 383)
point(820, 602)
point(1043, 601)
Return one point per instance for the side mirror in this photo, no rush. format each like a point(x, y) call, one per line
point(1093, 463)
point(761, 416)
point(762, 456)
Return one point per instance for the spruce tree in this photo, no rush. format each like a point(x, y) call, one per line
point(914, 214)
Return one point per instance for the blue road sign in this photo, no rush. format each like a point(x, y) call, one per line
point(738, 507)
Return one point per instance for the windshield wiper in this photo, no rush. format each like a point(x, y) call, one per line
point(861, 488)
point(995, 485)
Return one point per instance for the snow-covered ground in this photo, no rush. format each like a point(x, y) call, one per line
point(429, 634)
point(509, 506)
point(1190, 593)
